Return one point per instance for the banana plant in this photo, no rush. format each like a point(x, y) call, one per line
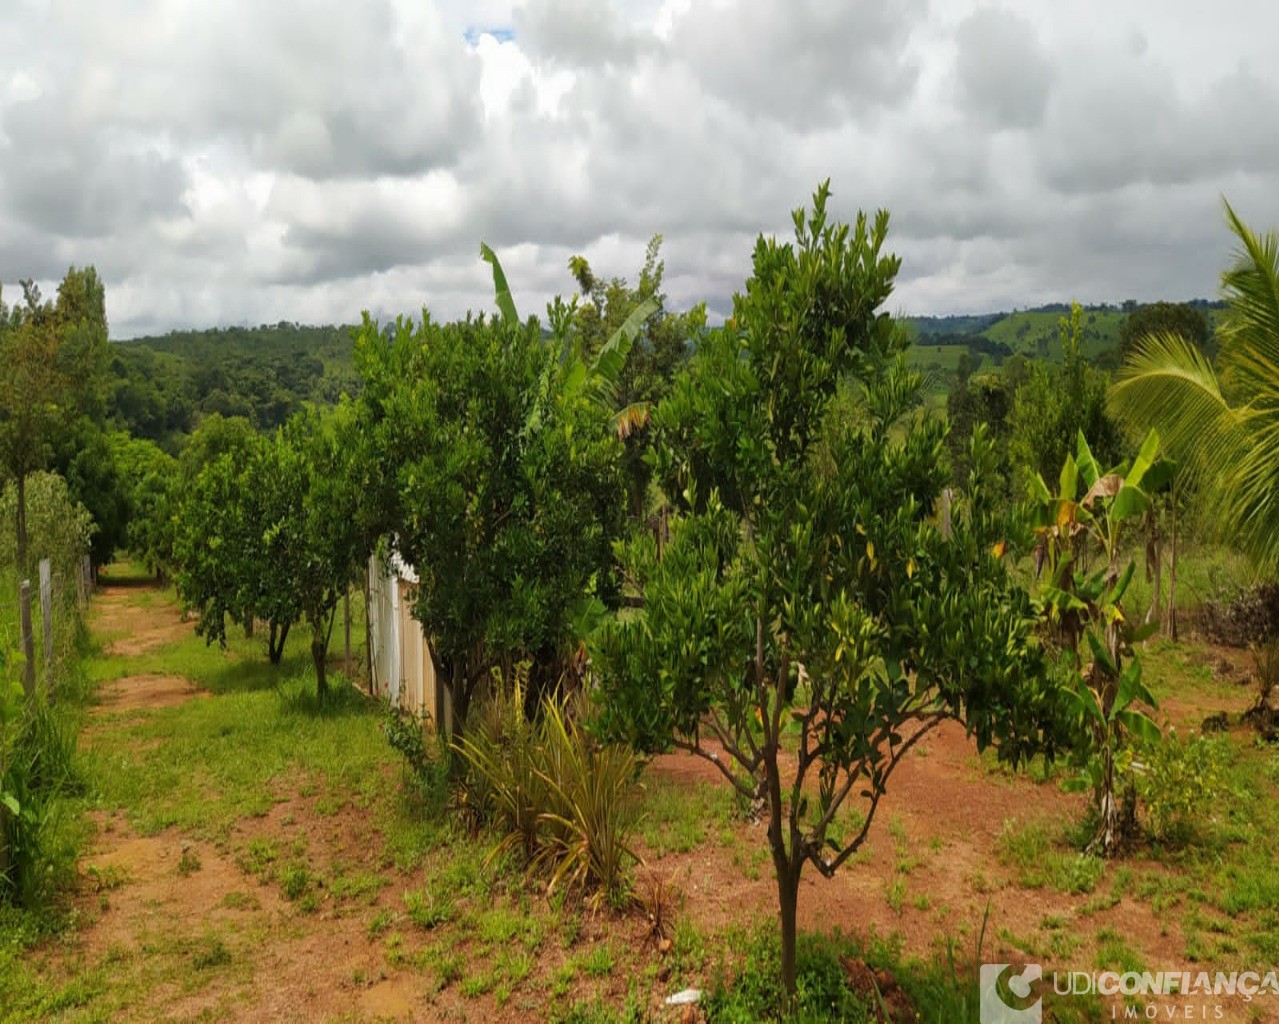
point(1078, 550)
point(595, 380)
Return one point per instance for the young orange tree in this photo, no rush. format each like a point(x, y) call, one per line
point(811, 617)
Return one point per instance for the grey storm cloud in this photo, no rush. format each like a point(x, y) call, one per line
point(1004, 73)
point(306, 159)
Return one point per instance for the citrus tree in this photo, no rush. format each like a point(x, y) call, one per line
point(809, 620)
point(495, 470)
point(274, 530)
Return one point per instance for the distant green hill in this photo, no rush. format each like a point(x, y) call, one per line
point(161, 386)
point(1033, 333)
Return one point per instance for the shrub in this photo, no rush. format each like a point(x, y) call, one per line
point(1178, 782)
point(593, 810)
point(37, 750)
point(506, 785)
point(563, 800)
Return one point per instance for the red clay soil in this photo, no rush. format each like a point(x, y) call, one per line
point(936, 835)
point(144, 692)
point(130, 628)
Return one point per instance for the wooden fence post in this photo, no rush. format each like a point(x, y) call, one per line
point(46, 615)
point(346, 617)
point(28, 640)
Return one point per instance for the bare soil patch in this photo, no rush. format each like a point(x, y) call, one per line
point(135, 626)
point(145, 692)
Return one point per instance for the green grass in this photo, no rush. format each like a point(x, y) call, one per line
point(1040, 862)
point(1035, 333)
point(425, 896)
point(678, 817)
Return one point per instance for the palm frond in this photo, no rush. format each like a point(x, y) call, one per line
point(1250, 333)
point(632, 418)
point(1168, 385)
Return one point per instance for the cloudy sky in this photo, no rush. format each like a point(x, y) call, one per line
point(247, 161)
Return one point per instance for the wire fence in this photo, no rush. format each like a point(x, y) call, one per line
point(41, 620)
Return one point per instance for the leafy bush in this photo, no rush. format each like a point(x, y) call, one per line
point(1178, 781)
point(405, 734)
point(58, 527)
point(567, 803)
point(37, 749)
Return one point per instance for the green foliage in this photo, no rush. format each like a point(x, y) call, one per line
point(271, 529)
point(822, 994)
point(1058, 402)
point(987, 401)
point(52, 355)
point(1082, 521)
point(220, 548)
point(406, 736)
point(1163, 318)
point(150, 481)
point(662, 345)
point(567, 803)
point(59, 528)
point(494, 465)
point(37, 771)
point(216, 436)
point(594, 806)
point(807, 535)
point(941, 991)
point(1223, 428)
point(87, 459)
point(163, 388)
point(506, 783)
point(1181, 783)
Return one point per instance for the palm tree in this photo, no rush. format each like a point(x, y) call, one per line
point(1223, 423)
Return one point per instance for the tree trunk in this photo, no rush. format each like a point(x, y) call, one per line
point(319, 652)
point(1172, 567)
point(788, 905)
point(24, 595)
point(1108, 831)
point(787, 869)
point(28, 640)
point(248, 627)
point(453, 730)
point(1155, 570)
point(346, 624)
point(21, 519)
point(275, 642)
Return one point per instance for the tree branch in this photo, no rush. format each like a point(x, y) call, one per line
point(718, 762)
point(813, 851)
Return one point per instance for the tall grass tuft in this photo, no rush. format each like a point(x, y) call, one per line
point(567, 803)
point(37, 772)
point(507, 782)
point(592, 807)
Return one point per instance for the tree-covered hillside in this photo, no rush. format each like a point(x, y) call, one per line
point(160, 387)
